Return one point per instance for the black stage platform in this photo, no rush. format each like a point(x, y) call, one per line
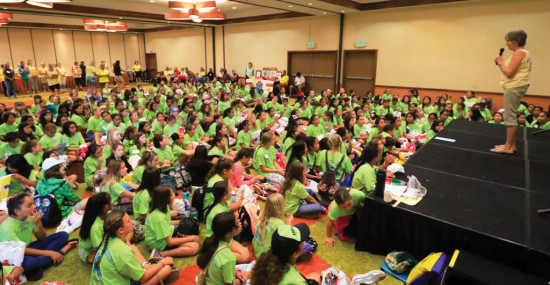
point(477, 201)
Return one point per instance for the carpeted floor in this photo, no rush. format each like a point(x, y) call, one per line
point(343, 255)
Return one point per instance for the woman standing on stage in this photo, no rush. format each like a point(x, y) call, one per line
point(515, 82)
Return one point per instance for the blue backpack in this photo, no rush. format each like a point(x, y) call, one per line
point(48, 207)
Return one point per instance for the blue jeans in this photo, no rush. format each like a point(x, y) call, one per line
point(10, 88)
point(306, 209)
point(54, 242)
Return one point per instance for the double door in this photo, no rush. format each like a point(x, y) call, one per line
point(318, 67)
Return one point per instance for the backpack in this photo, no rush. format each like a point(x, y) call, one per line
point(328, 184)
point(197, 201)
point(188, 226)
point(182, 177)
point(248, 217)
point(48, 207)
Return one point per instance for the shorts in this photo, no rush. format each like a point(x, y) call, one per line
point(25, 82)
point(54, 87)
point(62, 80)
point(119, 78)
point(43, 80)
point(511, 104)
point(91, 80)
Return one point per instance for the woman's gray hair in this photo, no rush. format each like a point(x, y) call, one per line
point(518, 36)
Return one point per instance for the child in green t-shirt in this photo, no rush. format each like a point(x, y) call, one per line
point(341, 211)
point(221, 263)
point(23, 222)
point(159, 232)
point(264, 160)
point(271, 217)
point(295, 192)
point(119, 262)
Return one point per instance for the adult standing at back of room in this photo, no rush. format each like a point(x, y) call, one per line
point(515, 82)
point(249, 71)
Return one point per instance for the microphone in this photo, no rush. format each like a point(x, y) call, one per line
point(500, 53)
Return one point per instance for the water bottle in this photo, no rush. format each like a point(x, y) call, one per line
point(380, 183)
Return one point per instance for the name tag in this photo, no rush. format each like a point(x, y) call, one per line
point(266, 155)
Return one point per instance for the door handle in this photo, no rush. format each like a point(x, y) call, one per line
point(359, 78)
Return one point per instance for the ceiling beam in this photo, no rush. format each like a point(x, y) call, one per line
point(344, 3)
point(278, 16)
point(13, 24)
point(402, 3)
point(90, 10)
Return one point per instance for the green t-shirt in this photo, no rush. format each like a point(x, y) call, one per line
point(222, 268)
point(293, 277)
point(336, 212)
point(211, 130)
point(7, 149)
point(35, 160)
point(287, 143)
point(15, 184)
point(96, 234)
point(119, 265)
point(364, 178)
point(429, 135)
point(15, 230)
point(244, 138)
point(216, 151)
point(190, 139)
point(157, 228)
point(74, 141)
point(5, 128)
point(115, 190)
point(90, 166)
point(263, 156)
point(141, 203)
point(293, 197)
point(333, 161)
point(262, 242)
point(48, 143)
point(209, 197)
point(315, 131)
point(165, 154)
point(138, 174)
point(170, 129)
point(217, 209)
point(230, 122)
point(94, 124)
point(79, 120)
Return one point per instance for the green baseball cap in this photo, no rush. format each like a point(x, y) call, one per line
point(287, 239)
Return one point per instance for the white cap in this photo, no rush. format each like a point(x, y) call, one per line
point(50, 162)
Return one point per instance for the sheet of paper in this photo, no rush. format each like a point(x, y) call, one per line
point(445, 139)
point(395, 189)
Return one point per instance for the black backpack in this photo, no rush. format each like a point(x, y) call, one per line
point(48, 207)
point(188, 226)
point(197, 201)
point(182, 177)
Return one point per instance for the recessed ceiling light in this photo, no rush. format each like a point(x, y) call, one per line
point(343, 11)
point(168, 22)
point(5, 8)
point(324, 13)
point(152, 1)
point(289, 6)
point(310, 3)
point(234, 8)
point(121, 17)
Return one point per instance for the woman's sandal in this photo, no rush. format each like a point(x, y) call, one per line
point(174, 275)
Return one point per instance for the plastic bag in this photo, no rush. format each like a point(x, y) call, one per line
point(71, 223)
point(12, 253)
point(414, 188)
point(247, 193)
point(394, 168)
point(182, 206)
point(334, 276)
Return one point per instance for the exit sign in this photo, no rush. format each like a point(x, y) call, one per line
point(311, 45)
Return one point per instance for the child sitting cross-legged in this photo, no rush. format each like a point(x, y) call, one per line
point(24, 221)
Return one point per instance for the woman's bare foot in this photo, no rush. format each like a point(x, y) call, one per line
point(502, 150)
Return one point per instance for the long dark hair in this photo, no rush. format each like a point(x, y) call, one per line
point(25, 137)
point(94, 208)
point(218, 168)
point(222, 224)
point(150, 180)
point(18, 161)
point(160, 198)
point(298, 151)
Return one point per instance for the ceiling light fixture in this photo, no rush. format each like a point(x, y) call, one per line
point(104, 25)
point(38, 3)
point(4, 17)
point(194, 10)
